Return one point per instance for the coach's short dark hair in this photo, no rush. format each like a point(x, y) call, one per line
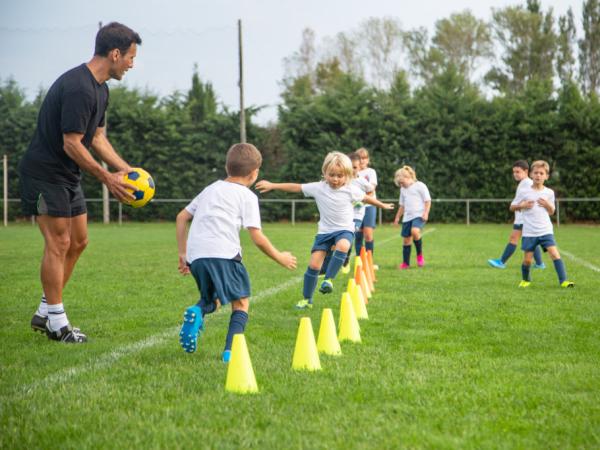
point(115, 35)
point(521, 164)
point(354, 156)
point(242, 159)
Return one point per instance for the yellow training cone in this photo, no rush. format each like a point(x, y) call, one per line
point(306, 356)
point(365, 285)
point(328, 342)
point(349, 328)
point(240, 376)
point(360, 310)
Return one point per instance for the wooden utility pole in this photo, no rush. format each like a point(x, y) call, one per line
point(241, 84)
point(5, 166)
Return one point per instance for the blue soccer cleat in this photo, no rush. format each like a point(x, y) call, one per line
point(192, 324)
point(497, 263)
point(226, 356)
point(326, 287)
point(539, 266)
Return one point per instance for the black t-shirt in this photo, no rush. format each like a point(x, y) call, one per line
point(76, 103)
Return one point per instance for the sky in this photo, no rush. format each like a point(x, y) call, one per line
point(41, 39)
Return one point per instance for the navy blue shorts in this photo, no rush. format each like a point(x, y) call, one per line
point(370, 219)
point(324, 242)
point(518, 226)
point(528, 244)
point(218, 278)
point(417, 222)
point(39, 197)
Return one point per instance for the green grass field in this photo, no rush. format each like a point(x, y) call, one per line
point(453, 355)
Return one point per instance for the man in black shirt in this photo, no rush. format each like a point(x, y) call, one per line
point(70, 122)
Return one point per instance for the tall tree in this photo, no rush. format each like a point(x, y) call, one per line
point(565, 59)
point(303, 61)
point(201, 99)
point(589, 47)
point(528, 42)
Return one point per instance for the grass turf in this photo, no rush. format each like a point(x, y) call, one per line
point(453, 355)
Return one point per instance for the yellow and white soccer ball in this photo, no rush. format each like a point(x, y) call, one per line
point(144, 184)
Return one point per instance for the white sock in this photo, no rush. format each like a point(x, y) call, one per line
point(57, 318)
point(43, 308)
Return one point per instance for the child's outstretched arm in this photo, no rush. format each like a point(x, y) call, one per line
point(375, 202)
point(286, 259)
point(425, 215)
point(265, 186)
point(398, 214)
point(181, 232)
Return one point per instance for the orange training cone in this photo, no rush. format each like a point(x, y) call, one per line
point(349, 327)
point(371, 265)
point(365, 285)
point(306, 356)
point(328, 342)
point(366, 269)
point(240, 375)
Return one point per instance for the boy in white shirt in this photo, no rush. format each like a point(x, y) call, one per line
point(335, 198)
point(537, 204)
point(520, 172)
point(414, 205)
point(212, 252)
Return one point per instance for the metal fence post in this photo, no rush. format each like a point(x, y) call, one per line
point(468, 212)
point(557, 213)
point(120, 213)
point(293, 212)
point(380, 211)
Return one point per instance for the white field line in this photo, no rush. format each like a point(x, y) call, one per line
point(110, 358)
point(397, 235)
point(578, 260)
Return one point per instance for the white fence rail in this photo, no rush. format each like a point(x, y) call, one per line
point(293, 202)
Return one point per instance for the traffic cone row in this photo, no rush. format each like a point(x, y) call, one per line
point(240, 374)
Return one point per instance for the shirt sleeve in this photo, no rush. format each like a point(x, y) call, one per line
point(77, 110)
point(401, 197)
point(192, 206)
point(424, 192)
point(551, 198)
point(373, 177)
point(311, 189)
point(519, 197)
point(251, 212)
point(365, 185)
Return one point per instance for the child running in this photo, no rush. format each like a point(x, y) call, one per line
point(335, 196)
point(212, 253)
point(537, 205)
point(414, 206)
point(368, 225)
point(520, 172)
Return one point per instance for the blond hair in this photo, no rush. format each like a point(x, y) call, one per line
point(242, 159)
point(338, 159)
point(362, 152)
point(406, 171)
point(541, 163)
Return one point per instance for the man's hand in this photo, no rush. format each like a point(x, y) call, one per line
point(264, 186)
point(184, 269)
point(121, 190)
point(287, 260)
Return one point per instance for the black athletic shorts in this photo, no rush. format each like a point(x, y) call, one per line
point(42, 198)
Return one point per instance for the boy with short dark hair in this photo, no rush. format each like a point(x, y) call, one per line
point(211, 251)
point(537, 205)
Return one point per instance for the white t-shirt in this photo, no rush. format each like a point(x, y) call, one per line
point(219, 211)
point(536, 220)
point(413, 199)
point(525, 182)
point(370, 175)
point(336, 206)
point(359, 207)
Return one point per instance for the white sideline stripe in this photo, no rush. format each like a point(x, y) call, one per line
point(583, 262)
point(396, 236)
point(108, 359)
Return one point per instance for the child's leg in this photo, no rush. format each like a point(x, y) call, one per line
point(369, 239)
point(312, 273)
point(406, 246)
point(537, 255)
point(237, 321)
point(416, 236)
point(526, 266)
point(510, 248)
point(358, 240)
point(338, 258)
point(559, 265)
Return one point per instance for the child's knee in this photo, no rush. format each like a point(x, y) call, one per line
point(553, 252)
point(343, 245)
point(415, 233)
point(528, 258)
point(407, 240)
point(243, 304)
point(368, 233)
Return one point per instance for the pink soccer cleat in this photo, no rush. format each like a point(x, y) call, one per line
point(403, 266)
point(420, 261)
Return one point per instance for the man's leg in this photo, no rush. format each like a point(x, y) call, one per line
point(78, 243)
